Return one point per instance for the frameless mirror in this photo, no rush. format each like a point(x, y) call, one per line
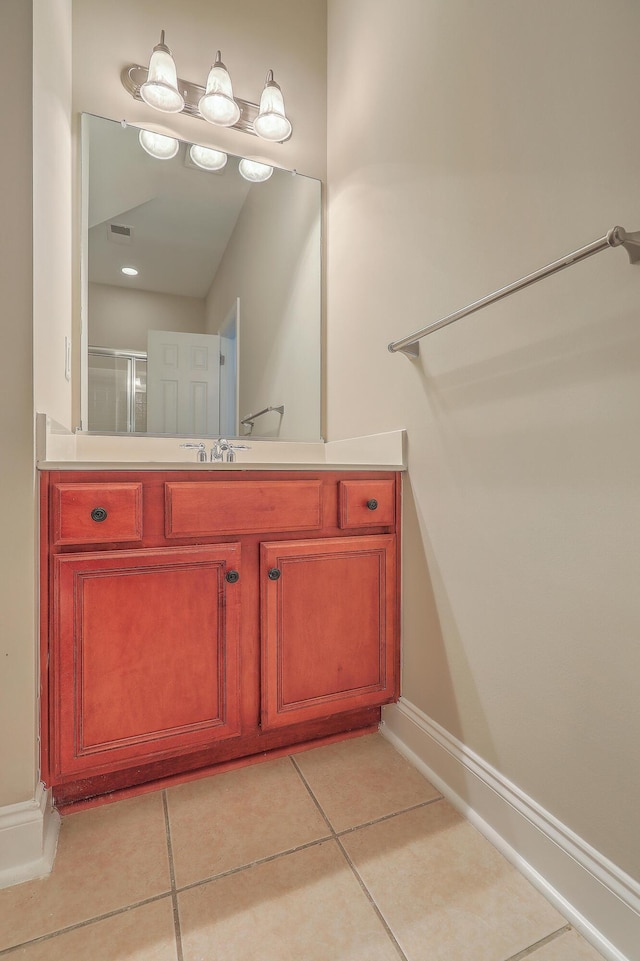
point(202, 298)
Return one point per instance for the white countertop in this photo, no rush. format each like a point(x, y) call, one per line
point(60, 449)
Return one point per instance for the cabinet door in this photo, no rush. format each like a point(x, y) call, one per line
point(144, 654)
point(329, 635)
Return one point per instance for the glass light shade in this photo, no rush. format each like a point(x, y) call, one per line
point(207, 158)
point(256, 172)
point(271, 122)
point(160, 89)
point(217, 104)
point(158, 145)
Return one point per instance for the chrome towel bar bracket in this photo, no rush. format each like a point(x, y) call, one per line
point(616, 237)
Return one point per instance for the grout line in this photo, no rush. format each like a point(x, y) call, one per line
point(253, 864)
point(172, 874)
point(365, 824)
point(300, 847)
point(371, 901)
point(387, 817)
point(312, 796)
point(84, 924)
point(527, 952)
point(337, 837)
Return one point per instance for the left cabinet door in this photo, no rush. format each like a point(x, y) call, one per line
point(144, 655)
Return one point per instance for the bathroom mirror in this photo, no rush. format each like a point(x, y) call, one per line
point(218, 331)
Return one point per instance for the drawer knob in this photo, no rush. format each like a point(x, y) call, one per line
point(274, 574)
point(372, 504)
point(232, 577)
point(98, 514)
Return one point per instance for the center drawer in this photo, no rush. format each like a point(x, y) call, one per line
point(236, 507)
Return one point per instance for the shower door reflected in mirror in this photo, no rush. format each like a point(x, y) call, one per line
point(117, 401)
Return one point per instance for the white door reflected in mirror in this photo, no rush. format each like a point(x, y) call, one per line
point(183, 383)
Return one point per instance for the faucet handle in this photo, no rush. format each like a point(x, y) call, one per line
point(232, 448)
point(202, 453)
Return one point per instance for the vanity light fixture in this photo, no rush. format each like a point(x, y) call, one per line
point(160, 87)
point(217, 104)
point(271, 122)
point(158, 145)
point(207, 158)
point(130, 271)
point(256, 172)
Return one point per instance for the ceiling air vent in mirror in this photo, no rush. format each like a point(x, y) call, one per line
point(119, 233)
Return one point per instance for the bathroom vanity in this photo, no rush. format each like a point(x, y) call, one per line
point(191, 618)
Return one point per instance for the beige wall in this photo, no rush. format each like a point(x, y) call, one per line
point(17, 517)
point(52, 200)
point(498, 137)
point(272, 263)
point(120, 318)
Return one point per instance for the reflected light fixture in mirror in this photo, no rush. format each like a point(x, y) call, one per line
point(255, 172)
point(158, 145)
point(207, 158)
point(161, 87)
point(130, 271)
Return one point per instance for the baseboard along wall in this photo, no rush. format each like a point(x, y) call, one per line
point(600, 900)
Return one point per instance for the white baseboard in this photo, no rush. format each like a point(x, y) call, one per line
point(28, 838)
point(592, 893)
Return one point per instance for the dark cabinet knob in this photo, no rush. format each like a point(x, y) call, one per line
point(98, 514)
point(232, 577)
point(274, 574)
point(372, 504)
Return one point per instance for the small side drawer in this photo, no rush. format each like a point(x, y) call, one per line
point(242, 507)
point(366, 503)
point(96, 513)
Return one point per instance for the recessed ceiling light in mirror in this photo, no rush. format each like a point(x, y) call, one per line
point(130, 271)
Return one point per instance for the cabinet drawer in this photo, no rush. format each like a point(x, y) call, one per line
point(367, 503)
point(193, 509)
point(96, 513)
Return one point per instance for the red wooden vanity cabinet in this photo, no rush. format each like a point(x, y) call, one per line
point(190, 619)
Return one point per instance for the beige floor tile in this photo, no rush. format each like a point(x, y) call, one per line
point(141, 934)
point(568, 947)
point(306, 905)
point(445, 892)
point(107, 858)
point(233, 819)
point(362, 779)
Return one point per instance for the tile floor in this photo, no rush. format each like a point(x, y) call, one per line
point(340, 853)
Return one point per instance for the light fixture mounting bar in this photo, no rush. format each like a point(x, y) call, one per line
point(134, 76)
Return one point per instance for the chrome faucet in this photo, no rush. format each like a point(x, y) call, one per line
point(223, 446)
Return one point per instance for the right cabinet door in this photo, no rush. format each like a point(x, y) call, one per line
point(329, 627)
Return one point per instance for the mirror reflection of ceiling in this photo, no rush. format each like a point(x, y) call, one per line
point(181, 216)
